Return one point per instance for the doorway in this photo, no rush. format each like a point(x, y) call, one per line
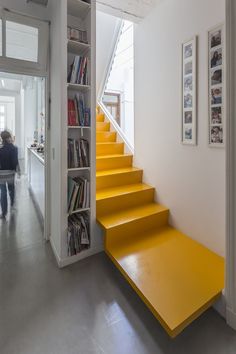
point(23, 117)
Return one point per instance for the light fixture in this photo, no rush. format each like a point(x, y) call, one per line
point(3, 83)
point(39, 2)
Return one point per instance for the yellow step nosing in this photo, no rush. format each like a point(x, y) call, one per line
point(112, 143)
point(117, 171)
point(103, 157)
point(122, 191)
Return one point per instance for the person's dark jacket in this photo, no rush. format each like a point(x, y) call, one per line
point(8, 157)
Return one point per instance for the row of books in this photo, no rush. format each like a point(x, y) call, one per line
point(78, 73)
point(78, 153)
point(78, 194)
point(78, 235)
point(77, 35)
point(78, 114)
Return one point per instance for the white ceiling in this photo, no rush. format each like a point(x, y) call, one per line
point(134, 10)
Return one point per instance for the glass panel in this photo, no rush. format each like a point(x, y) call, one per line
point(2, 109)
point(121, 80)
point(0, 37)
point(2, 123)
point(21, 42)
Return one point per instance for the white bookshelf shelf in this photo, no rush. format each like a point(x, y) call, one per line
point(78, 169)
point(78, 211)
point(82, 88)
point(78, 8)
point(77, 127)
point(78, 47)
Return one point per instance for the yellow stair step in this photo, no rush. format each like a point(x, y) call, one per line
point(118, 177)
point(102, 126)
point(111, 199)
point(123, 224)
point(105, 136)
point(176, 277)
point(100, 117)
point(109, 148)
point(109, 162)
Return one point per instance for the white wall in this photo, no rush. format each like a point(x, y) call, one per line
point(189, 180)
point(58, 113)
point(107, 29)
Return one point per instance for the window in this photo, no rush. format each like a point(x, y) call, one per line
point(2, 117)
point(24, 43)
point(0, 37)
point(21, 41)
point(112, 102)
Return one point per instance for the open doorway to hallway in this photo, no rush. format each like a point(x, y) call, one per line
point(22, 167)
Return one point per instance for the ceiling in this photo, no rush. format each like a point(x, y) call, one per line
point(134, 10)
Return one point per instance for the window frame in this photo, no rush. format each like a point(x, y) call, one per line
point(12, 64)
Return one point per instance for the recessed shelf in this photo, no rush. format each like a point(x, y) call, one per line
point(78, 127)
point(78, 87)
point(78, 211)
point(78, 169)
point(78, 47)
point(78, 8)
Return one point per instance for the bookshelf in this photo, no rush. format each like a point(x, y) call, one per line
point(80, 16)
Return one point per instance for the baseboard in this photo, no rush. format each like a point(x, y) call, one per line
point(58, 259)
point(64, 262)
point(78, 257)
point(220, 306)
point(231, 318)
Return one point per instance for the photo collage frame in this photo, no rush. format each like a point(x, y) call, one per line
point(216, 86)
point(189, 112)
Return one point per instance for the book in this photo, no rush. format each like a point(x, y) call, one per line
point(78, 113)
point(78, 234)
point(78, 194)
point(78, 72)
point(72, 112)
point(77, 35)
point(78, 153)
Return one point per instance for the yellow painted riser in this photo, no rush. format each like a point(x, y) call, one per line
point(109, 148)
point(177, 278)
point(102, 137)
point(124, 201)
point(102, 126)
point(112, 162)
point(100, 117)
point(118, 179)
point(128, 232)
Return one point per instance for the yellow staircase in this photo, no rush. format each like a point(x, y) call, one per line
point(176, 277)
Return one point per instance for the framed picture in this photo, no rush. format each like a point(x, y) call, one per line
point(216, 58)
point(189, 94)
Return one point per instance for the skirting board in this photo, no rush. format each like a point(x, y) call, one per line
point(231, 318)
point(220, 306)
point(64, 262)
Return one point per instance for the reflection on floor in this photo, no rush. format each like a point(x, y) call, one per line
point(87, 308)
point(22, 227)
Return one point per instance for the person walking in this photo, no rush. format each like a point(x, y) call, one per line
point(9, 165)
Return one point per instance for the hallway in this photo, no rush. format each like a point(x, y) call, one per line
point(87, 308)
point(23, 227)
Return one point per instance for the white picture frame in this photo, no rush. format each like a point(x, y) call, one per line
point(216, 86)
point(189, 92)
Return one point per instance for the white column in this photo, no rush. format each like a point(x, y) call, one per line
point(230, 289)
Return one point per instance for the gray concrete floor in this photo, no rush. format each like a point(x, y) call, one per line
point(87, 308)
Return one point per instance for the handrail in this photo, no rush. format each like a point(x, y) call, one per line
point(116, 127)
point(111, 61)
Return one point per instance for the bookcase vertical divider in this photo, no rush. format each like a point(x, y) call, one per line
point(81, 15)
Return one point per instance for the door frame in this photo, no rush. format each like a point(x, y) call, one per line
point(43, 71)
